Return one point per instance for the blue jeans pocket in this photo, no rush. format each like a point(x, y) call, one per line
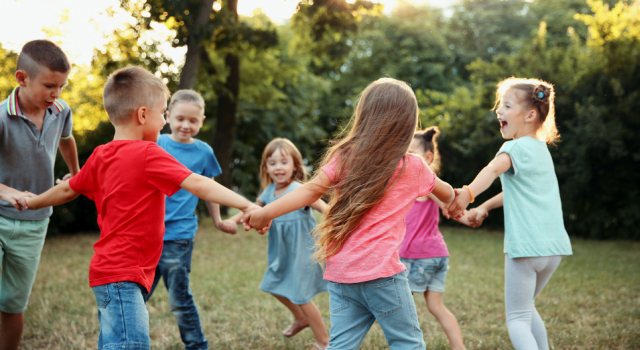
point(383, 296)
point(102, 296)
point(337, 302)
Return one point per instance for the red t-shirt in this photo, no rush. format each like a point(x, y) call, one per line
point(128, 181)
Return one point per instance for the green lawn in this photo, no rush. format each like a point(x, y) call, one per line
point(592, 302)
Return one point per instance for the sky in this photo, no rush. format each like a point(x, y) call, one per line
point(88, 22)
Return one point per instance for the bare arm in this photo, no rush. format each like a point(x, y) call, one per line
point(238, 217)
point(485, 178)
point(15, 197)
point(56, 195)
point(477, 215)
point(319, 205)
point(70, 155)
point(444, 192)
point(301, 197)
point(211, 191)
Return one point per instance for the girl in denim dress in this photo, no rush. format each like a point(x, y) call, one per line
point(293, 276)
point(423, 250)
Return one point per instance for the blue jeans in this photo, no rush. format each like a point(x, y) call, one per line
point(174, 268)
point(355, 306)
point(123, 316)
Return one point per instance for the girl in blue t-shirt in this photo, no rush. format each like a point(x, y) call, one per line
point(292, 276)
point(535, 238)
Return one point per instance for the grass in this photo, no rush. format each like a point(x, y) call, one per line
point(592, 301)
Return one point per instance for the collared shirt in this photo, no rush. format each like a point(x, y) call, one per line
point(27, 154)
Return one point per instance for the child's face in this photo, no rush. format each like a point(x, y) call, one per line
point(185, 120)
point(511, 115)
point(280, 167)
point(416, 148)
point(42, 90)
point(155, 121)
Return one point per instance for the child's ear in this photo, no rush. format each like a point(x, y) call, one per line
point(141, 115)
point(531, 116)
point(21, 77)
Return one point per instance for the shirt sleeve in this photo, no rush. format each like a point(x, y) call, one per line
point(163, 171)
point(426, 177)
point(510, 149)
point(67, 128)
point(330, 168)
point(212, 167)
point(82, 182)
point(264, 196)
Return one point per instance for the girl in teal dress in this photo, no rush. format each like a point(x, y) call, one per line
point(292, 276)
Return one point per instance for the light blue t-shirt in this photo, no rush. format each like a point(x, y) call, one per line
point(180, 221)
point(532, 209)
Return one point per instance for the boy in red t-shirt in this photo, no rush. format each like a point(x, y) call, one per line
point(128, 179)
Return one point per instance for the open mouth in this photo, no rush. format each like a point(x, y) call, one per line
point(503, 123)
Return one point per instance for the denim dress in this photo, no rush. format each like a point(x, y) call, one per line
point(291, 271)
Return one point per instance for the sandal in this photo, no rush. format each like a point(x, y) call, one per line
point(295, 328)
point(317, 346)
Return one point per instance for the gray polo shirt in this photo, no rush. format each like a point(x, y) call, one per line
point(27, 155)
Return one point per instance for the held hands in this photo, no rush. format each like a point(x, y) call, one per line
point(255, 218)
point(228, 226)
point(460, 203)
point(16, 198)
point(476, 216)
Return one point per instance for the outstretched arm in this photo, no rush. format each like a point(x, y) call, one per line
point(211, 191)
point(56, 195)
point(485, 178)
point(15, 197)
point(443, 192)
point(477, 215)
point(301, 197)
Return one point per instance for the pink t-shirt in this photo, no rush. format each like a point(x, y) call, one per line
point(423, 239)
point(371, 251)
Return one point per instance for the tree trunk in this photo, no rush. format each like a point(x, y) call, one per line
point(226, 121)
point(194, 40)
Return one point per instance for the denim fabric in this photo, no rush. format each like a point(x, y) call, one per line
point(355, 306)
point(174, 268)
point(21, 243)
point(427, 274)
point(123, 316)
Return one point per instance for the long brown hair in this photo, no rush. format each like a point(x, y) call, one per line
point(536, 94)
point(378, 136)
point(286, 147)
point(428, 141)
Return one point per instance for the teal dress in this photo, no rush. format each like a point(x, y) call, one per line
point(291, 271)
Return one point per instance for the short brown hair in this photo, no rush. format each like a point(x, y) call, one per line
point(129, 88)
point(428, 140)
point(42, 53)
point(187, 95)
point(538, 94)
point(286, 147)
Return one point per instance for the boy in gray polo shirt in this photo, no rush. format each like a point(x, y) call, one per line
point(33, 123)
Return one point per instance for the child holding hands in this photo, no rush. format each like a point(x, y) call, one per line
point(292, 276)
point(128, 179)
point(535, 238)
point(374, 183)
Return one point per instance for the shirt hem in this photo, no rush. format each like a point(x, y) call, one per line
point(366, 278)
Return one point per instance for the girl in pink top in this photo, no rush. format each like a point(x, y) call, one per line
point(372, 183)
point(423, 250)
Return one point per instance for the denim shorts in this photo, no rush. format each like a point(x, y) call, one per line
point(427, 274)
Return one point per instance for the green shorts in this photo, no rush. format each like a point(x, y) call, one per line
point(20, 247)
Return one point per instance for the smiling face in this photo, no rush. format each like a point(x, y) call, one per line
point(185, 120)
point(154, 121)
point(514, 118)
point(280, 168)
point(42, 90)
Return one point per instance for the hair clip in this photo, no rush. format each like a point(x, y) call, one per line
point(540, 94)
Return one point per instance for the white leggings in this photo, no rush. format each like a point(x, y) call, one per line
point(524, 280)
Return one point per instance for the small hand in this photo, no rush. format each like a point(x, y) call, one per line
point(228, 226)
point(464, 219)
point(64, 178)
point(255, 219)
point(16, 198)
point(459, 204)
point(476, 216)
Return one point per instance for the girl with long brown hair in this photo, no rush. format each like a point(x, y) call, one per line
point(372, 182)
point(292, 276)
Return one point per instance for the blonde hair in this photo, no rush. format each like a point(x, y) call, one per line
point(536, 94)
point(428, 140)
point(186, 95)
point(130, 88)
point(379, 135)
point(286, 147)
